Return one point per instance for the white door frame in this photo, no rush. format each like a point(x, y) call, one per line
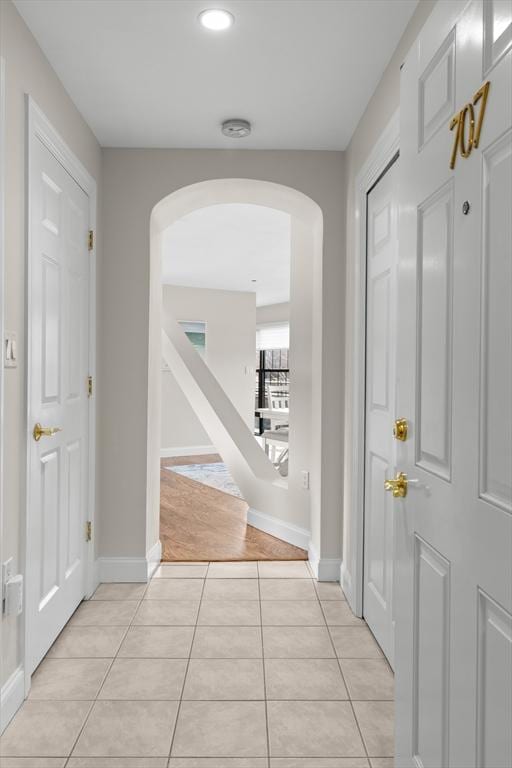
point(39, 129)
point(2, 298)
point(352, 573)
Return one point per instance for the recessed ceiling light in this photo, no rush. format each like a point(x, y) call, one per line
point(216, 19)
point(253, 280)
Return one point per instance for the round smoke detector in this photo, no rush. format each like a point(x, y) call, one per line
point(236, 129)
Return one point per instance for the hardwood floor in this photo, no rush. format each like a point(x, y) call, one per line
point(201, 523)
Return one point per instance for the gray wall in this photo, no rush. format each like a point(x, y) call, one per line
point(230, 318)
point(134, 181)
point(273, 313)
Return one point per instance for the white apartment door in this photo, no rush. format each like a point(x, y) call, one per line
point(453, 582)
point(381, 266)
point(58, 318)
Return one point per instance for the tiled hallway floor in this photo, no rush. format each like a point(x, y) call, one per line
point(227, 665)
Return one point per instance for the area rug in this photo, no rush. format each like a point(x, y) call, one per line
point(215, 475)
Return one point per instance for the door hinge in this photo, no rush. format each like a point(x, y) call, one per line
point(90, 241)
point(88, 531)
point(89, 386)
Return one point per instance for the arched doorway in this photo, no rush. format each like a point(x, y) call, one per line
point(291, 516)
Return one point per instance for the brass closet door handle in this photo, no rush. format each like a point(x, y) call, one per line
point(398, 486)
point(39, 431)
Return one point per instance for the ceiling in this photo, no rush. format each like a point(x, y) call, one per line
point(144, 73)
point(227, 246)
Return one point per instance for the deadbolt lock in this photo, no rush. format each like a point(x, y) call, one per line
point(400, 429)
point(398, 486)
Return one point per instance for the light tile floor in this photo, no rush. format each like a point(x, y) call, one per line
point(227, 665)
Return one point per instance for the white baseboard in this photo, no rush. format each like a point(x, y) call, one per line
point(348, 589)
point(119, 569)
point(346, 583)
point(313, 559)
point(329, 569)
point(154, 558)
point(135, 569)
point(11, 697)
point(324, 569)
point(286, 531)
point(194, 450)
point(94, 581)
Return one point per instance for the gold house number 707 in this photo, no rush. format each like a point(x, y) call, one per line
point(460, 121)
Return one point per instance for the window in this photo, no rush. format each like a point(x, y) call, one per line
point(272, 373)
point(196, 334)
point(273, 336)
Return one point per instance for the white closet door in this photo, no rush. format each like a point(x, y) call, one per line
point(382, 259)
point(58, 398)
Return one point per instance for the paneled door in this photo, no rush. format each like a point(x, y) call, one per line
point(381, 268)
point(453, 585)
point(58, 317)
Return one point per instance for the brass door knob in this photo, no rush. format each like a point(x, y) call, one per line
point(38, 432)
point(400, 429)
point(398, 485)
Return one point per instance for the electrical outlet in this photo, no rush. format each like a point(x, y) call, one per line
point(305, 479)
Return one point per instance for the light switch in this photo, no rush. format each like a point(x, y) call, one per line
point(13, 600)
point(10, 350)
